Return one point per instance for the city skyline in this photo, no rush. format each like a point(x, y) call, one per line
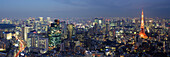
point(88, 8)
point(88, 28)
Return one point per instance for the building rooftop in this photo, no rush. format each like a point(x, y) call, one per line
point(7, 26)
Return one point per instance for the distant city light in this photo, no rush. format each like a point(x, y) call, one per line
point(22, 54)
point(16, 45)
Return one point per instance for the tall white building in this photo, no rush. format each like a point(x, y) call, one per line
point(33, 39)
point(48, 19)
point(41, 19)
point(8, 35)
point(25, 31)
point(43, 45)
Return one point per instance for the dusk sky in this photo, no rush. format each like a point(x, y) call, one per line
point(84, 8)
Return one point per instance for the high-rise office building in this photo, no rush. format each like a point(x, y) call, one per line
point(25, 31)
point(98, 21)
point(48, 19)
point(55, 34)
point(169, 37)
point(70, 30)
point(107, 29)
point(33, 39)
point(41, 19)
point(8, 35)
point(64, 29)
point(43, 44)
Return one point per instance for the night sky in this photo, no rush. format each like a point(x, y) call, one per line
point(84, 8)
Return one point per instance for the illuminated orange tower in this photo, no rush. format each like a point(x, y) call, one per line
point(142, 31)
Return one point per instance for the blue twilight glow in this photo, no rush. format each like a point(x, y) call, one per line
point(84, 8)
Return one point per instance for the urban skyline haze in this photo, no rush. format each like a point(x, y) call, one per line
point(84, 8)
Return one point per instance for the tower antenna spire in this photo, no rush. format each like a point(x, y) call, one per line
point(142, 31)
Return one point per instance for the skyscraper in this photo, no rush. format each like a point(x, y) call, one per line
point(33, 39)
point(64, 29)
point(25, 30)
point(41, 19)
point(8, 35)
point(48, 19)
point(70, 30)
point(142, 31)
point(43, 44)
point(55, 34)
point(98, 21)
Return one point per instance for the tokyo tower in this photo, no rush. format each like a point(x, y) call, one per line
point(142, 31)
